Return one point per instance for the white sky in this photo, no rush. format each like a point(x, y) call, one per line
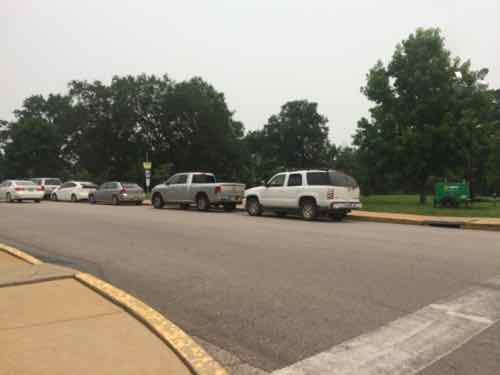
point(260, 53)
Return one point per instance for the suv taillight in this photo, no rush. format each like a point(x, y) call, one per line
point(330, 194)
point(41, 188)
point(218, 189)
point(123, 191)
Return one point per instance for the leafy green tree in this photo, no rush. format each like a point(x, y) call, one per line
point(297, 137)
point(430, 112)
point(33, 149)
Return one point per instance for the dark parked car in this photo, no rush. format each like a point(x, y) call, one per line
point(116, 192)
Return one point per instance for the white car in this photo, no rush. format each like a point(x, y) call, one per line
point(74, 191)
point(48, 184)
point(310, 193)
point(20, 190)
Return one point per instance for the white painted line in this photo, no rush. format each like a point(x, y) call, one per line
point(411, 343)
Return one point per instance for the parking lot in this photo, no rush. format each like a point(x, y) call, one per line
point(264, 292)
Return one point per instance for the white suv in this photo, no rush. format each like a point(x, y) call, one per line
point(310, 193)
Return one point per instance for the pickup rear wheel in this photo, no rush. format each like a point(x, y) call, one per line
point(253, 207)
point(308, 209)
point(202, 202)
point(158, 201)
point(184, 206)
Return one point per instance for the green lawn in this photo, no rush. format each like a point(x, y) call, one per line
point(408, 204)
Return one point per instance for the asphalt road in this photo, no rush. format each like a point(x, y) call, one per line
point(267, 291)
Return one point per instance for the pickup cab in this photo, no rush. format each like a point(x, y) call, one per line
point(309, 193)
point(200, 189)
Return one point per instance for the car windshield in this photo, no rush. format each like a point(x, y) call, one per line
point(25, 183)
point(53, 182)
point(127, 185)
point(332, 178)
point(203, 179)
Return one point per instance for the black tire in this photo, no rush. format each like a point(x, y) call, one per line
point(281, 213)
point(308, 209)
point(54, 197)
point(115, 201)
point(8, 198)
point(92, 199)
point(184, 206)
point(253, 206)
point(138, 203)
point(158, 201)
point(202, 202)
point(229, 207)
point(74, 199)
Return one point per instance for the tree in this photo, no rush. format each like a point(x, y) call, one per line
point(430, 112)
point(297, 137)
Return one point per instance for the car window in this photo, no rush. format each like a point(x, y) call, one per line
point(128, 185)
point(203, 179)
point(173, 179)
point(25, 183)
point(318, 178)
point(87, 185)
point(341, 179)
point(182, 179)
point(53, 182)
point(295, 179)
point(276, 181)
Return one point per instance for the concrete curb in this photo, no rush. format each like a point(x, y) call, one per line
point(450, 222)
point(194, 356)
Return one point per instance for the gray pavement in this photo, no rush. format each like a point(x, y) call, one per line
point(268, 291)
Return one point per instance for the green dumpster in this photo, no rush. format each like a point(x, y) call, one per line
point(452, 194)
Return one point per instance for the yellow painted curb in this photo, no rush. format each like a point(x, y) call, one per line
point(192, 354)
point(19, 254)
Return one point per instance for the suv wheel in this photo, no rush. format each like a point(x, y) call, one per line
point(158, 201)
point(8, 198)
point(202, 203)
point(54, 197)
point(308, 209)
point(115, 200)
point(253, 207)
point(92, 199)
point(74, 199)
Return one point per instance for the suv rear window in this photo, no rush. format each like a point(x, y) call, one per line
point(341, 179)
point(203, 179)
point(318, 178)
point(333, 178)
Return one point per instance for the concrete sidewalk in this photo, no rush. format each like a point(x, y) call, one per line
point(54, 320)
point(445, 221)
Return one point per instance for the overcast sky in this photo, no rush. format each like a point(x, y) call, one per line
point(260, 53)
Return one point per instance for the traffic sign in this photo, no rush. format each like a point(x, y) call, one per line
point(147, 165)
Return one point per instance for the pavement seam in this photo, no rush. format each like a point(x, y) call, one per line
point(35, 281)
point(52, 322)
point(191, 353)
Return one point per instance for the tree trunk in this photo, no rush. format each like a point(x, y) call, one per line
point(423, 193)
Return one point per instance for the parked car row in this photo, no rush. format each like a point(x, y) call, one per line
point(309, 193)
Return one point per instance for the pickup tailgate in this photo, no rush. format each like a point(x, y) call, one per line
point(231, 191)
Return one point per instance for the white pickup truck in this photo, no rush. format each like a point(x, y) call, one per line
point(310, 193)
point(200, 189)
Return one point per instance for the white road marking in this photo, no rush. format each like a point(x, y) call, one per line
point(413, 342)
